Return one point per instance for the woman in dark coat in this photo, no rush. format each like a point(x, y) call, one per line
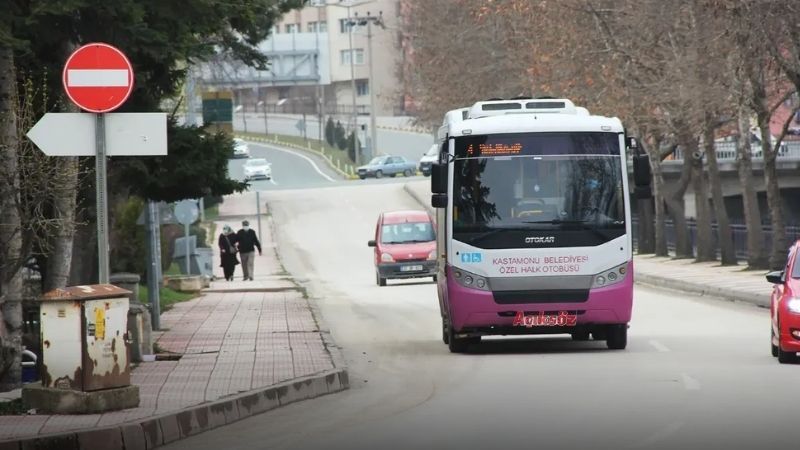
point(227, 250)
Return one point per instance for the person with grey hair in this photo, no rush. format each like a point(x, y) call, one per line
point(248, 243)
point(227, 251)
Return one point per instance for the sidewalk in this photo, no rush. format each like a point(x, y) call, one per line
point(243, 348)
point(684, 275)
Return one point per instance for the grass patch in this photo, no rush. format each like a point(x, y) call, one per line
point(339, 158)
point(173, 269)
point(14, 407)
point(168, 297)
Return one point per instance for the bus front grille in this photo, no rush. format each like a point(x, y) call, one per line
point(539, 296)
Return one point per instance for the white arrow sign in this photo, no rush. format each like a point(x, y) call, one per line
point(127, 134)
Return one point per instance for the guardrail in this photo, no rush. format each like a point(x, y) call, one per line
point(726, 151)
point(739, 232)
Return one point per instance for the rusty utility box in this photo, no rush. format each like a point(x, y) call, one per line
point(84, 338)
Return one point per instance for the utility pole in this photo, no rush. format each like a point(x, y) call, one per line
point(371, 86)
point(356, 150)
point(369, 20)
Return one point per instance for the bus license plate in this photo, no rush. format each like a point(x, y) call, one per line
point(562, 319)
point(411, 268)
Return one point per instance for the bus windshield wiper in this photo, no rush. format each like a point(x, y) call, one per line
point(486, 234)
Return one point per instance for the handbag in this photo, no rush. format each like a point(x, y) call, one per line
point(231, 249)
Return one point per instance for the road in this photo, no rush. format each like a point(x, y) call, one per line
point(696, 374)
point(409, 145)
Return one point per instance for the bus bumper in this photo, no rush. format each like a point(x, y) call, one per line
point(475, 311)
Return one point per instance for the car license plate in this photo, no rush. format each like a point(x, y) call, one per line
point(411, 268)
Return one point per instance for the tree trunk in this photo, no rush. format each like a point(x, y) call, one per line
point(677, 210)
point(724, 234)
point(756, 249)
point(10, 230)
point(704, 236)
point(64, 205)
point(660, 208)
point(777, 258)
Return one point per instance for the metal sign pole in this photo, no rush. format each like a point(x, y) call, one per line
point(154, 274)
point(258, 212)
point(186, 239)
point(102, 200)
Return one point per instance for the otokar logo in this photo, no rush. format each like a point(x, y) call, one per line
point(540, 239)
point(470, 257)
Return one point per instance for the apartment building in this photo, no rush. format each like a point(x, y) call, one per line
point(311, 51)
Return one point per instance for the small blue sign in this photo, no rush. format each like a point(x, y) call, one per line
point(471, 257)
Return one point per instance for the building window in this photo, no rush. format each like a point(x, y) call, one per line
point(359, 56)
point(312, 27)
point(344, 25)
point(291, 28)
point(362, 87)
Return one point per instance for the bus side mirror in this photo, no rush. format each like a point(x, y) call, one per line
point(439, 178)
point(439, 200)
point(642, 177)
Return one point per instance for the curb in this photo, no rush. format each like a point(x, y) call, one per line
point(671, 284)
point(341, 173)
point(415, 130)
point(167, 428)
point(702, 290)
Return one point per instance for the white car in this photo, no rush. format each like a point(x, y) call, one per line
point(430, 157)
point(257, 168)
point(240, 148)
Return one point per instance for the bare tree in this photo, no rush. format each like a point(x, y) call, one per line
point(10, 229)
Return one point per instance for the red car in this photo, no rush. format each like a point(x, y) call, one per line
point(405, 246)
point(785, 308)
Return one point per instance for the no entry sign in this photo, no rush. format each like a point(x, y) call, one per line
point(98, 78)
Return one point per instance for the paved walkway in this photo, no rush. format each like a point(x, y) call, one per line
point(728, 282)
point(237, 337)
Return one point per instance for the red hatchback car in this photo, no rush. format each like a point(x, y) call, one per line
point(785, 308)
point(405, 246)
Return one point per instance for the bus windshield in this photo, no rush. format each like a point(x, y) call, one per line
point(538, 181)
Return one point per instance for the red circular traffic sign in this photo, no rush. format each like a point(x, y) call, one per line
point(98, 77)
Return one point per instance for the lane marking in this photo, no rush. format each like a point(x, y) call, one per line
point(690, 383)
point(659, 346)
point(97, 77)
point(310, 161)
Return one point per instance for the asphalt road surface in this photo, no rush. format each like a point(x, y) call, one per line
point(697, 373)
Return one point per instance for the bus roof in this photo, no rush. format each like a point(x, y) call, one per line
point(526, 115)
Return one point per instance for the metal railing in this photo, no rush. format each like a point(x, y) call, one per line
point(739, 232)
point(726, 151)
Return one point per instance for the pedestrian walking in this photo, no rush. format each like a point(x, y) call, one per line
point(248, 243)
point(227, 251)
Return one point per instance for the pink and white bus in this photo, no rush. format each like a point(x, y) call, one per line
point(534, 222)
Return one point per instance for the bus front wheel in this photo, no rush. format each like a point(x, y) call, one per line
point(617, 337)
point(456, 344)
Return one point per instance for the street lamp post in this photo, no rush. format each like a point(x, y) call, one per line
point(369, 20)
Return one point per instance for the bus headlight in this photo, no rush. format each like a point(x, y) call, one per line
point(470, 280)
point(611, 276)
point(385, 257)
